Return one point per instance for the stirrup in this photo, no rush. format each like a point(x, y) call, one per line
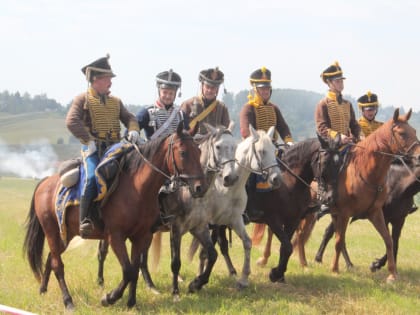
point(86, 227)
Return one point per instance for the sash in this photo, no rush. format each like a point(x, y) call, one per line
point(203, 114)
point(166, 124)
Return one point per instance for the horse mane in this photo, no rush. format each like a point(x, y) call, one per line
point(374, 142)
point(134, 160)
point(299, 152)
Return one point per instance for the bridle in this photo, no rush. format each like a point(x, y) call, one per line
point(177, 177)
point(262, 169)
point(213, 164)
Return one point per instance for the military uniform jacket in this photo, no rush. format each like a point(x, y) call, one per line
point(368, 126)
point(332, 117)
point(95, 117)
point(195, 105)
point(248, 116)
point(151, 118)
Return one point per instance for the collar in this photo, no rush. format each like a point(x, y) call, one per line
point(338, 98)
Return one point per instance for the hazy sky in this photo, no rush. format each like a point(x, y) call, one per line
point(45, 43)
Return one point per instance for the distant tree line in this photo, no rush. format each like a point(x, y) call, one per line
point(297, 107)
point(15, 103)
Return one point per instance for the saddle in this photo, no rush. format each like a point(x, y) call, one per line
point(72, 176)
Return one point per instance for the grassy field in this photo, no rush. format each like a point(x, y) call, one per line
point(313, 291)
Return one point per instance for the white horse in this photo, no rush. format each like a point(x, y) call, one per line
point(221, 205)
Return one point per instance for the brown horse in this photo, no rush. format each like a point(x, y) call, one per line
point(130, 212)
point(402, 184)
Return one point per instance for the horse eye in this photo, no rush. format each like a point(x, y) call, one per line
point(217, 147)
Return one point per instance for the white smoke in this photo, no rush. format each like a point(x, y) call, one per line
point(35, 160)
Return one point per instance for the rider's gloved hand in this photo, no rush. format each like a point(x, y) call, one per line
point(290, 143)
point(133, 136)
point(91, 148)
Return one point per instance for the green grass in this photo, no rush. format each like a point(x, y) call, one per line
point(311, 291)
point(27, 128)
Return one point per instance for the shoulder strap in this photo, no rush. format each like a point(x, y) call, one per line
point(203, 114)
point(166, 124)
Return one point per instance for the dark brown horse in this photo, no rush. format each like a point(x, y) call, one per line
point(361, 185)
point(402, 184)
point(129, 213)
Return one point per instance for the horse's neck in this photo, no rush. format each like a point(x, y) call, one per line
point(400, 181)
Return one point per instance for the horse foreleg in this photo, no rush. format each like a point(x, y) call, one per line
point(328, 234)
point(175, 239)
point(224, 247)
point(262, 261)
point(102, 253)
point(203, 235)
point(120, 250)
point(240, 230)
point(286, 249)
point(378, 221)
point(139, 245)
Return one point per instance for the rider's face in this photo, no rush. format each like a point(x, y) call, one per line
point(167, 96)
point(264, 92)
point(102, 85)
point(210, 91)
point(336, 85)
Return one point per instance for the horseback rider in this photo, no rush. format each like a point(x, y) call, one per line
point(261, 113)
point(368, 105)
point(163, 117)
point(94, 118)
point(334, 115)
point(206, 107)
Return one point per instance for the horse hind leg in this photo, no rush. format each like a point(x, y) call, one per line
point(102, 253)
point(203, 235)
point(262, 261)
point(286, 249)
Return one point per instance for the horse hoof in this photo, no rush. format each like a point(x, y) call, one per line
point(154, 290)
point(104, 301)
point(69, 306)
point(261, 262)
point(276, 277)
point(240, 285)
point(391, 279)
point(176, 298)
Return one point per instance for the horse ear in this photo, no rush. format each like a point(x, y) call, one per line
point(231, 126)
point(270, 132)
point(324, 144)
point(253, 132)
point(408, 115)
point(210, 128)
point(396, 114)
point(194, 130)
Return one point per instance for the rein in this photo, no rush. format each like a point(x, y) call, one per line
point(218, 165)
point(262, 170)
point(170, 154)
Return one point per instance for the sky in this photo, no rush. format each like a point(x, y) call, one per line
point(45, 43)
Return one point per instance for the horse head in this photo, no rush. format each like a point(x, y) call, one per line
point(218, 153)
point(257, 153)
point(327, 164)
point(184, 161)
point(404, 139)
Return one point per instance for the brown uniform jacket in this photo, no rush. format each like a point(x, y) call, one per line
point(345, 120)
point(79, 121)
point(195, 105)
point(247, 116)
point(367, 127)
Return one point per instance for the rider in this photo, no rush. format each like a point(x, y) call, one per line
point(163, 117)
point(261, 113)
point(205, 107)
point(368, 105)
point(94, 118)
point(334, 115)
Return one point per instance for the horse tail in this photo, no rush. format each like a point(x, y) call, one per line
point(195, 243)
point(156, 248)
point(257, 233)
point(34, 240)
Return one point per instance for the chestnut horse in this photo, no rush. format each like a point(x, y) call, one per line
point(402, 184)
point(130, 212)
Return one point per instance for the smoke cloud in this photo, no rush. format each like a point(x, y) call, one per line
point(35, 160)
